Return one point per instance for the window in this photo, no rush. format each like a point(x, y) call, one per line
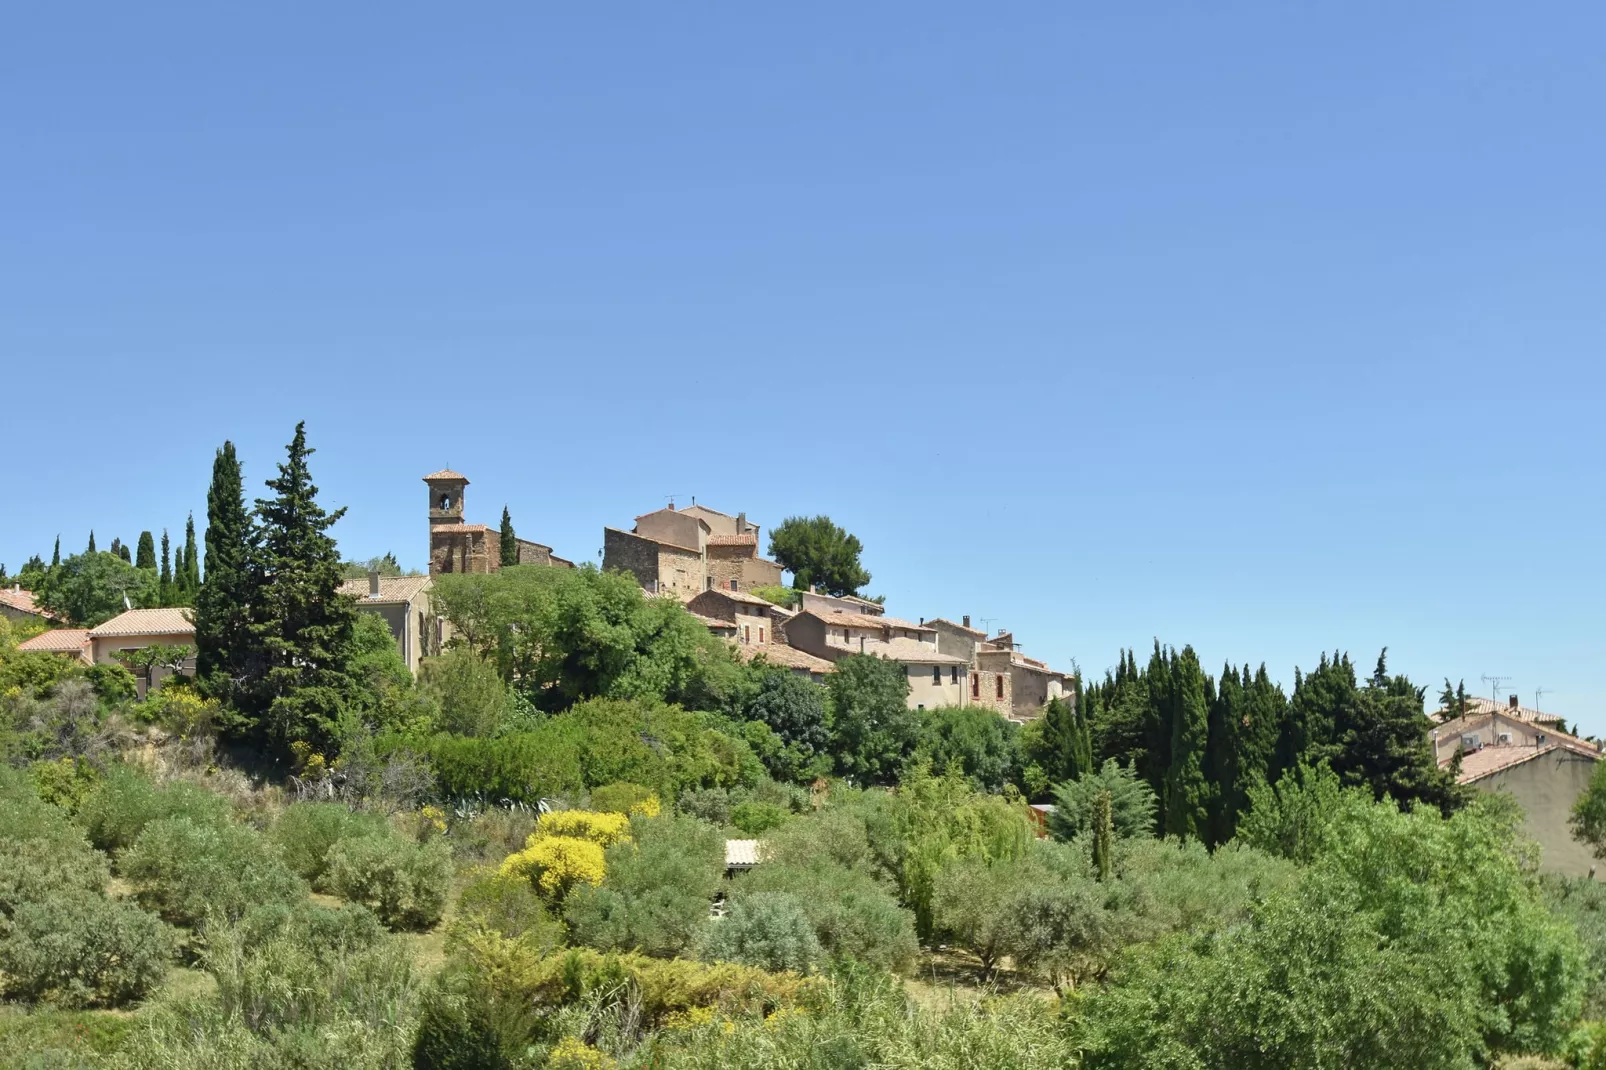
point(936, 675)
point(761, 633)
point(953, 675)
point(975, 685)
point(845, 635)
point(710, 586)
point(733, 584)
point(747, 633)
point(1000, 679)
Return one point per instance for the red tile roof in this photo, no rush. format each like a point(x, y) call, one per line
point(146, 622)
point(733, 540)
point(23, 602)
point(446, 473)
point(393, 590)
point(785, 657)
point(1497, 759)
point(58, 641)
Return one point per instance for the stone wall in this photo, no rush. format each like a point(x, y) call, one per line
point(680, 572)
point(462, 551)
point(630, 553)
point(726, 563)
point(991, 689)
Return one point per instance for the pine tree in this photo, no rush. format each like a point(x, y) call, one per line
point(510, 544)
point(165, 587)
point(1187, 792)
point(301, 625)
point(145, 556)
point(116, 547)
point(91, 548)
point(222, 605)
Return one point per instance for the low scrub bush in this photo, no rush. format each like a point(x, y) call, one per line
point(507, 905)
point(604, 829)
point(306, 831)
point(769, 930)
point(405, 884)
point(853, 914)
point(626, 798)
point(281, 984)
point(342, 930)
point(656, 892)
point(556, 864)
point(126, 801)
point(80, 949)
point(189, 871)
point(520, 767)
point(757, 818)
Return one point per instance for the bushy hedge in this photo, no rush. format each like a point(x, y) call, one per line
point(126, 800)
point(655, 894)
point(404, 883)
point(80, 949)
point(769, 930)
point(306, 831)
point(189, 872)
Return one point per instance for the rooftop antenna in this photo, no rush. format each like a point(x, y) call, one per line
point(987, 624)
point(672, 498)
point(1495, 684)
point(1541, 691)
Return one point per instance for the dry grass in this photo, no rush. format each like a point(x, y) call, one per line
point(944, 977)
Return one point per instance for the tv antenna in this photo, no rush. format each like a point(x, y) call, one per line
point(1495, 684)
point(672, 498)
point(987, 624)
point(1540, 692)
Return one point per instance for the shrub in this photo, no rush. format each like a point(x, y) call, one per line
point(520, 767)
point(572, 1053)
point(80, 949)
point(65, 782)
point(711, 804)
point(1132, 802)
point(403, 883)
point(603, 829)
point(44, 853)
point(657, 889)
point(188, 871)
point(472, 698)
point(757, 818)
point(555, 864)
point(625, 798)
point(509, 906)
point(853, 914)
point(769, 930)
point(126, 800)
point(323, 931)
point(467, 1023)
point(306, 831)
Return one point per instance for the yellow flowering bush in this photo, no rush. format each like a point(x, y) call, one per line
point(626, 798)
point(555, 864)
point(602, 829)
point(572, 1053)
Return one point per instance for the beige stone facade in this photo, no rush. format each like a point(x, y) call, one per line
point(137, 629)
point(403, 603)
point(456, 546)
point(935, 678)
point(678, 552)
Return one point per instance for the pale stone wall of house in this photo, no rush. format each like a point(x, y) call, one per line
point(753, 625)
point(991, 689)
point(1547, 787)
point(680, 572)
point(532, 553)
point(931, 686)
point(625, 552)
point(727, 563)
point(678, 528)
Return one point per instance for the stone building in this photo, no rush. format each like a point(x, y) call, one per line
point(17, 604)
point(456, 546)
point(684, 552)
point(1544, 769)
point(136, 629)
point(935, 678)
point(1000, 676)
point(403, 603)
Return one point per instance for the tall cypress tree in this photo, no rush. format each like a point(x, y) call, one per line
point(165, 586)
point(55, 556)
point(1066, 739)
point(192, 561)
point(145, 556)
point(91, 548)
point(116, 547)
point(510, 543)
point(222, 605)
point(301, 625)
point(1187, 792)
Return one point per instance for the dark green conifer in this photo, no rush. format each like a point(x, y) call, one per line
point(1103, 836)
point(91, 548)
point(510, 543)
point(165, 585)
point(222, 605)
point(145, 556)
point(55, 556)
point(1187, 791)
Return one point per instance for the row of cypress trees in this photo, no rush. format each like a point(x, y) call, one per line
point(1203, 742)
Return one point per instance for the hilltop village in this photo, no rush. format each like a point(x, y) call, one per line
point(710, 562)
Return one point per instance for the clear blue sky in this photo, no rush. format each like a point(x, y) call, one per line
point(1270, 328)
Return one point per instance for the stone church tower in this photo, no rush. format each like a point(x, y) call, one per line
point(453, 545)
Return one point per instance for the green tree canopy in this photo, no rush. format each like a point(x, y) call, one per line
point(873, 729)
point(224, 646)
point(88, 589)
point(981, 744)
point(1132, 803)
point(819, 553)
point(145, 556)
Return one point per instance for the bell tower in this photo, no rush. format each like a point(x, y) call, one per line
point(446, 496)
point(452, 546)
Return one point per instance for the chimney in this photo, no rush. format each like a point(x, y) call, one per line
point(922, 620)
point(741, 523)
point(966, 619)
point(373, 583)
point(1513, 701)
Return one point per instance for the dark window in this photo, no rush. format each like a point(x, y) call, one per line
point(761, 633)
point(747, 633)
point(936, 675)
point(1000, 686)
point(953, 675)
point(733, 585)
point(975, 685)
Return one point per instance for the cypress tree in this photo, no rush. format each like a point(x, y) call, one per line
point(116, 547)
point(222, 605)
point(145, 556)
point(300, 624)
point(125, 553)
point(1187, 792)
point(510, 544)
point(165, 586)
point(192, 561)
point(91, 541)
point(1103, 836)
point(55, 556)
point(1066, 738)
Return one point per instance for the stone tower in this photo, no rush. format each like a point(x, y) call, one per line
point(453, 545)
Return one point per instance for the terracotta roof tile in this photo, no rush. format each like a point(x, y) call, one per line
point(956, 627)
point(733, 540)
point(22, 601)
point(785, 657)
point(1492, 760)
point(458, 529)
point(1484, 706)
point(446, 473)
point(146, 622)
point(392, 589)
point(58, 640)
point(714, 624)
